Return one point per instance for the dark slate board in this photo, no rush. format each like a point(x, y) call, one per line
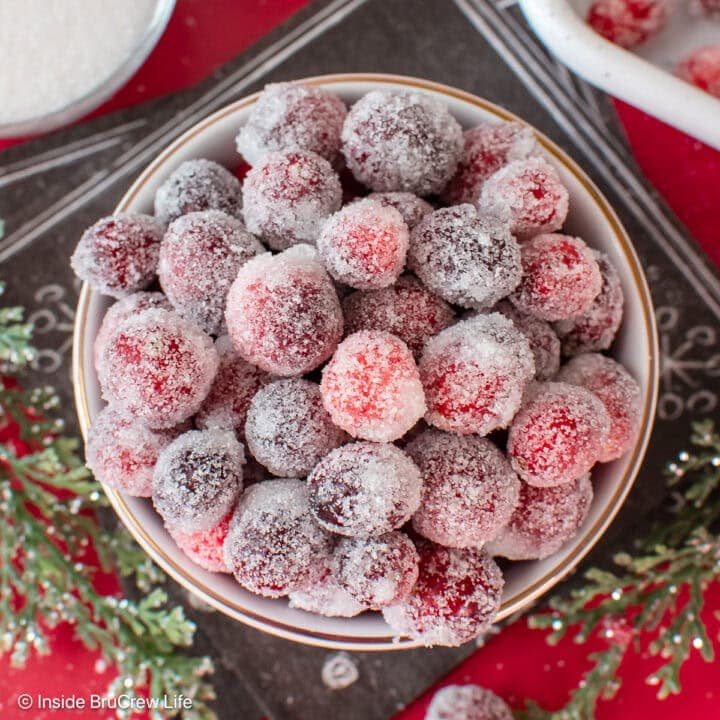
point(53, 187)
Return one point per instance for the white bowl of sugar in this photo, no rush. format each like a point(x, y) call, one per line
point(61, 59)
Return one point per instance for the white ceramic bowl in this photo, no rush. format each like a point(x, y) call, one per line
point(591, 217)
point(643, 77)
point(106, 87)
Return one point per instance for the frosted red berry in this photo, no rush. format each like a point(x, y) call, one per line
point(198, 185)
point(274, 546)
point(288, 430)
point(467, 702)
point(200, 256)
point(474, 374)
point(544, 520)
point(288, 196)
point(234, 386)
point(466, 259)
point(487, 148)
point(469, 488)
point(596, 328)
point(529, 195)
point(628, 23)
point(124, 309)
point(561, 278)
point(292, 116)
point(371, 387)
point(377, 571)
point(364, 489)
point(407, 309)
point(401, 141)
point(364, 245)
point(283, 313)
point(122, 451)
point(544, 343)
point(326, 597)
point(702, 68)
point(455, 599)
point(118, 255)
point(197, 480)
point(158, 367)
point(205, 548)
point(618, 391)
point(412, 208)
point(559, 433)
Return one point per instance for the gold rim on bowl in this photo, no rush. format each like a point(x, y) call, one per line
point(510, 605)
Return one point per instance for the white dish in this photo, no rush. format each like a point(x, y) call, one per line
point(642, 77)
point(590, 217)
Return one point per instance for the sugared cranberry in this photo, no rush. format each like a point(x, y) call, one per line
point(558, 435)
point(363, 489)
point(469, 489)
point(404, 141)
point(474, 373)
point(467, 702)
point(618, 392)
point(561, 278)
point(205, 548)
point(371, 387)
point(283, 313)
point(292, 116)
point(455, 599)
point(628, 23)
point(702, 69)
point(118, 255)
point(288, 196)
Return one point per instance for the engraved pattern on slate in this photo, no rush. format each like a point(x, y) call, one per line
point(53, 187)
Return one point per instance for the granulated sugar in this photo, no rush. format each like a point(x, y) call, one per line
point(53, 52)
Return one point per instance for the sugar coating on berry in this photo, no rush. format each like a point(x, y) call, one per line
point(561, 278)
point(474, 374)
point(558, 435)
point(628, 23)
point(198, 185)
point(377, 571)
point(544, 520)
point(234, 386)
point(529, 195)
point(363, 489)
point(364, 245)
point(486, 148)
point(158, 367)
point(702, 68)
point(288, 196)
point(205, 548)
point(618, 391)
point(455, 599)
point(292, 116)
point(401, 141)
point(197, 479)
point(544, 343)
point(466, 259)
point(469, 488)
point(283, 313)
point(326, 597)
point(406, 309)
point(122, 451)
point(118, 255)
point(200, 256)
point(412, 208)
point(467, 702)
point(122, 310)
point(595, 329)
point(372, 388)
point(274, 546)
point(288, 430)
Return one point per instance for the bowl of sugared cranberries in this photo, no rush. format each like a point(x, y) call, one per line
point(384, 388)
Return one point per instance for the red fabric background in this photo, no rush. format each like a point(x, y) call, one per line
point(201, 36)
